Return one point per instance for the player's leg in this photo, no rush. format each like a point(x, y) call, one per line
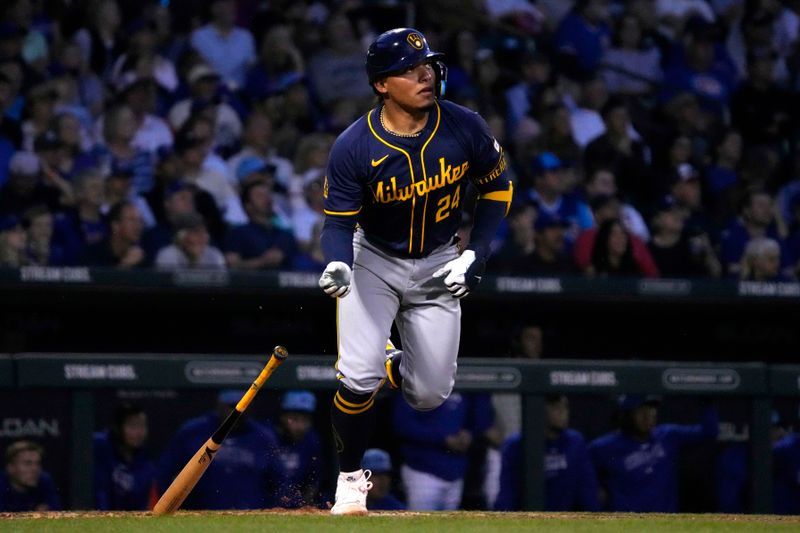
point(430, 332)
point(429, 322)
point(364, 320)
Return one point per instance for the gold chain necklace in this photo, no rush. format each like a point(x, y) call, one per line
point(404, 135)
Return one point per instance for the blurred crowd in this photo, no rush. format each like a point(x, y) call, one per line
point(465, 454)
point(645, 138)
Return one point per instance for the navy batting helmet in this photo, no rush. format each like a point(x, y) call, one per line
point(399, 49)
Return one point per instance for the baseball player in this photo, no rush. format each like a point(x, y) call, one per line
point(570, 480)
point(637, 466)
point(394, 191)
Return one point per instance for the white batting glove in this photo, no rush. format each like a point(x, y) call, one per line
point(457, 281)
point(335, 280)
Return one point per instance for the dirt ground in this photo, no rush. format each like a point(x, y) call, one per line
point(66, 515)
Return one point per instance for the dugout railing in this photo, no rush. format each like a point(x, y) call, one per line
point(81, 375)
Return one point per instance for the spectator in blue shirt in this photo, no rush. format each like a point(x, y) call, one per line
point(570, 481)
point(380, 497)
point(702, 68)
point(299, 449)
point(548, 193)
point(246, 472)
point(124, 474)
point(230, 50)
point(435, 444)
point(756, 219)
point(24, 486)
point(583, 36)
point(637, 465)
point(259, 244)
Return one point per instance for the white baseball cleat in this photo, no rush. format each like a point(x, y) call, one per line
point(351, 493)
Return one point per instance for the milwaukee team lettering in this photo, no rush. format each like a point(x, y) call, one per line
point(388, 192)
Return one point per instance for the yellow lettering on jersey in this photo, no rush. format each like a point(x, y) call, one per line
point(385, 193)
point(498, 169)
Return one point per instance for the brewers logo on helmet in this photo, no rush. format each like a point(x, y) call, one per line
point(397, 50)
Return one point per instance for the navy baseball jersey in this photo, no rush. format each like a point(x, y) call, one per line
point(570, 481)
point(786, 454)
point(120, 483)
point(407, 192)
point(423, 433)
point(245, 474)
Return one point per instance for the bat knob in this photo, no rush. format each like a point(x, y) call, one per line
point(280, 352)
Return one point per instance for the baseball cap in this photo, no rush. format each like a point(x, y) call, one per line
point(377, 461)
point(230, 396)
point(546, 161)
point(251, 165)
point(24, 163)
point(299, 400)
point(549, 220)
point(629, 402)
point(201, 71)
point(8, 222)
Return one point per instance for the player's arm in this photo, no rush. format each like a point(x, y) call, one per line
point(343, 193)
point(495, 191)
point(706, 430)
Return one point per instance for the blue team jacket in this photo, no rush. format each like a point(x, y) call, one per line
point(45, 492)
point(570, 481)
point(423, 433)
point(302, 465)
point(119, 484)
point(245, 473)
point(641, 476)
point(786, 457)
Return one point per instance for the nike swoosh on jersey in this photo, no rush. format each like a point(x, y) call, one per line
point(379, 161)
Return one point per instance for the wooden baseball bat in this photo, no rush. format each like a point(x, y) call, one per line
point(188, 477)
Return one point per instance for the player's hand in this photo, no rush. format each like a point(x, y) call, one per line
point(462, 274)
point(335, 280)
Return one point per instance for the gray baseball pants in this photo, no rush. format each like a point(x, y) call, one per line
point(385, 288)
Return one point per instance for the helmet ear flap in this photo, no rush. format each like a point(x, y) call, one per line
point(440, 71)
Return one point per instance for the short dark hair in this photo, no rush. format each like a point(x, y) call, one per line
point(21, 446)
point(122, 412)
point(245, 195)
point(115, 213)
point(554, 398)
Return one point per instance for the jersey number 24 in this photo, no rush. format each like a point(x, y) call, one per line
point(446, 204)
